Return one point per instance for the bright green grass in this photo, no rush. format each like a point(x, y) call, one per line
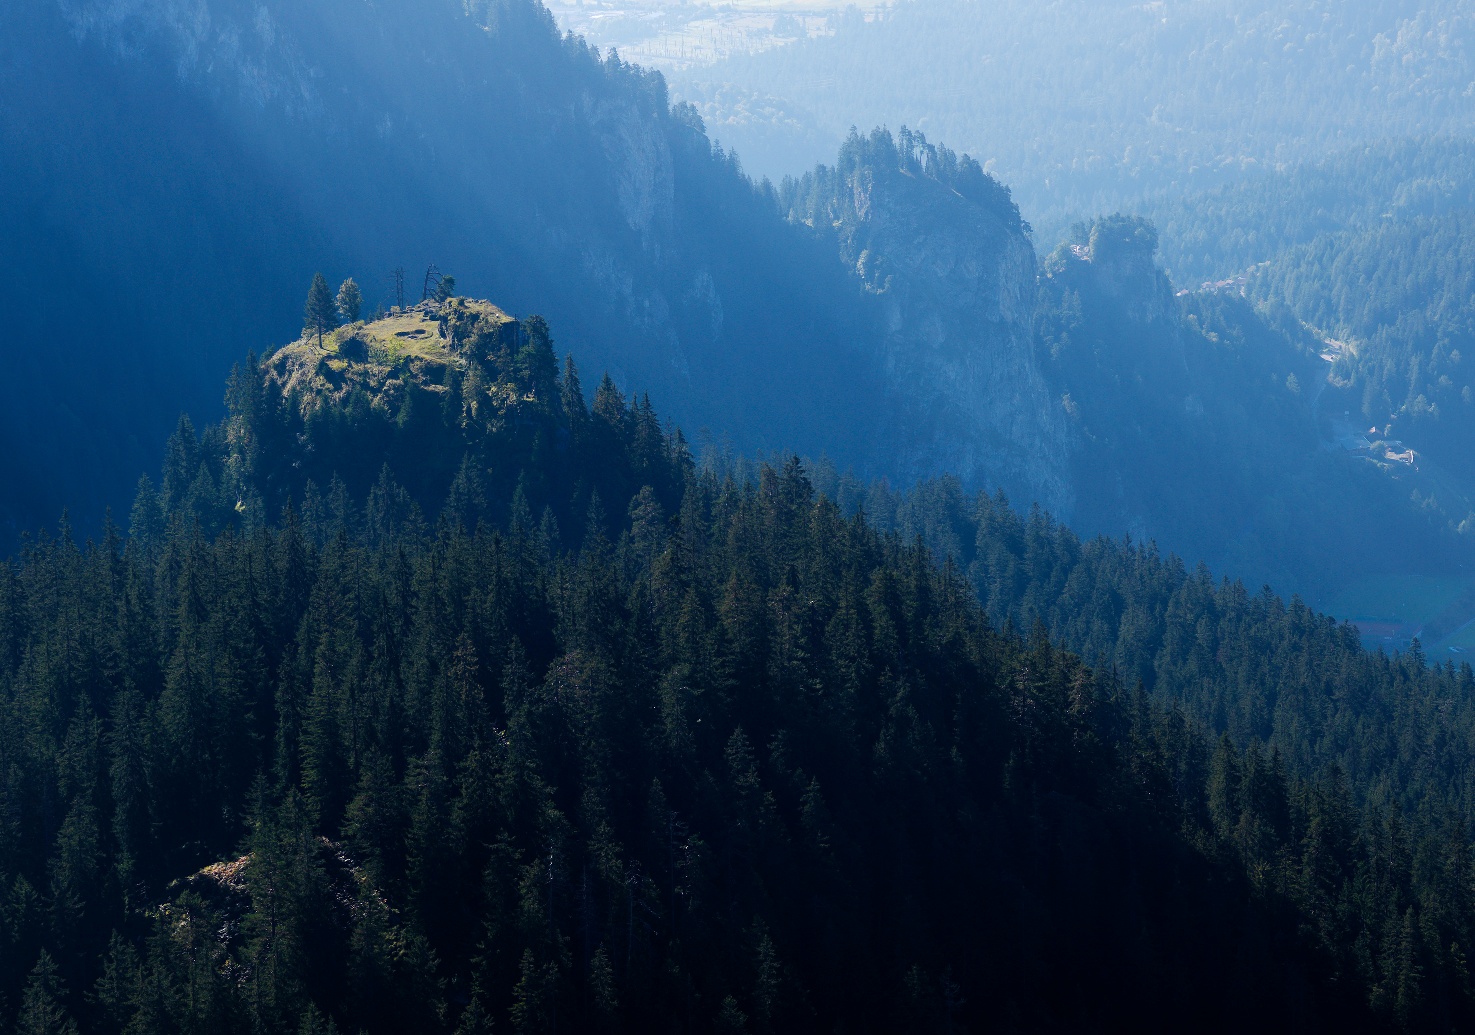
point(402, 337)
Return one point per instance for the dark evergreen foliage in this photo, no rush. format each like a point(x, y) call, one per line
point(350, 301)
point(320, 313)
point(688, 752)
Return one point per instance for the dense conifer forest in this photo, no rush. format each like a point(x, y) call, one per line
point(471, 705)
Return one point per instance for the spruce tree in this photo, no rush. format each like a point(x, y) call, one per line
point(321, 315)
point(350, 301)
point(41, 1011)
point(536, 362)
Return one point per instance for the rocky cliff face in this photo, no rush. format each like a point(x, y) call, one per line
point(1122, 253)
point(955, 284)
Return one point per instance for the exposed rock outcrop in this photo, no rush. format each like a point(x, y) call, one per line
point(639, 156)
point(955, 281)
point(284, 137)
point(1122, 251)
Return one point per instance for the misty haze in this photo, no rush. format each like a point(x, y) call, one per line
point(747, 517)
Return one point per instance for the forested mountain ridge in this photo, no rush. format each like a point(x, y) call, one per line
point(899, 283)
point(1250, 664)
point(688, 750)
point(426, 691)
point(239, 137)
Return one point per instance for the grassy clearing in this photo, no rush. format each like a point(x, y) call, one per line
point(380, 356)
point(410, 335)
point(405, 336)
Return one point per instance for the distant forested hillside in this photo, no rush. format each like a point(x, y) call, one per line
point(572, 733)
point(1082, 106)
point(1222, 232)
point(1403, 293)
point(1374, 248)
point(1197, 421)
point(165, 175)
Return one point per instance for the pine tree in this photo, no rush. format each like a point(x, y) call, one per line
point(730, 1019)
point(313, 1023)
point(350, 302)
point(609, 404)
point(536, 362)
point(146, 519)
point(602, 988)
point(474, 1019)
point(289, 909)
point(41, 1010)
point(571, 394)
point(532, 999)
point(321, 315)
point(1224, 788)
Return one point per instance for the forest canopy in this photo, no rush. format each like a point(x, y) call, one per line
point(575, 731)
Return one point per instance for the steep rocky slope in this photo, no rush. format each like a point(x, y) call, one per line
point(947, 270)
point(171, 176)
